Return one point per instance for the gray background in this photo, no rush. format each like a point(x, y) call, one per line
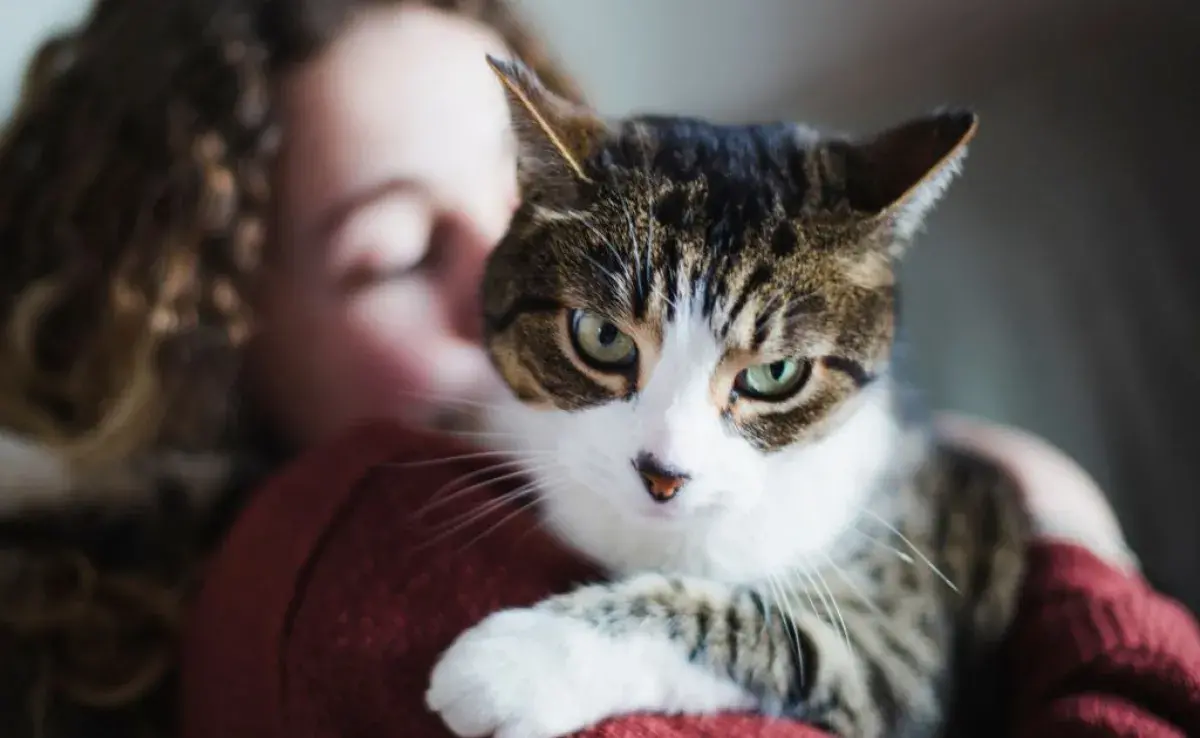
point(1055, 287)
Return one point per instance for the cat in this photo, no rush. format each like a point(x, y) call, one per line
point(696, 322)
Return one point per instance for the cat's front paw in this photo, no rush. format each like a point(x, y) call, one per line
point(521, 674)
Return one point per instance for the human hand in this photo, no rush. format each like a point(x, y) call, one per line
point(1064, 502)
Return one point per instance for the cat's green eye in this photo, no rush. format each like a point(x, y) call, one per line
point(600, 343)
point(775, 381)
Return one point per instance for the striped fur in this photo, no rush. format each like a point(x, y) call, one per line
point(865, 646)
point(823, 558)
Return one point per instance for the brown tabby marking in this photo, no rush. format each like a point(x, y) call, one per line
point(781, 238)
point(783, 242)
point(909, 648)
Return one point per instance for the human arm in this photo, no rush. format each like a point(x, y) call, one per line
point(1094, 651)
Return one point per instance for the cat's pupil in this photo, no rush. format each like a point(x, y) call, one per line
point(607, 334)
point(777, 370)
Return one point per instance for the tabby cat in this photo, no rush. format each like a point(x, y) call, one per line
point(696, 322)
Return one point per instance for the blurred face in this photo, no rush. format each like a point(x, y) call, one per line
point(396, 179)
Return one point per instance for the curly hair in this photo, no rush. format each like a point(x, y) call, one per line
point(135, 204)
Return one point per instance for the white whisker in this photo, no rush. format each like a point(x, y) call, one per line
point(523, 467)
point(837, 609)
point(906, 558)
point(477, 514)
point(661, 293)
point(441, 497)
point(805, 589)
point(852, 586)
point(885, 620)
point(791, 624)
point(637, 251)
point(477, 434)
point(442, 398)
point(461, 457)
point(519, 510)
point(649, 244)
point(613, 277)
point(913, 548)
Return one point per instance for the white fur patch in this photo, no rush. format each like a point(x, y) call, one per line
point(743, 515)
point(534, 674)
point(911, 211)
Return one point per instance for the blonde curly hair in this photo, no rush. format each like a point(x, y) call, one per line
point(135, 205)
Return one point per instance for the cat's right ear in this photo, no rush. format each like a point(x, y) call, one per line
point(555, 137)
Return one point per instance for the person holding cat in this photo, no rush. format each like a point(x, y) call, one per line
point(323, 610)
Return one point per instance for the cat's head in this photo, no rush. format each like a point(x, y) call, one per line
point(697, 322)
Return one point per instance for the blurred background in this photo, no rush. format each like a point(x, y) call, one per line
point(1058, 287)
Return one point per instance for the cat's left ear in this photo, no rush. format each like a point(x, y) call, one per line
point(555, 137)
point(900, 174)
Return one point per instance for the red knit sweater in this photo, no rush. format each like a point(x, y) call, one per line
point(339, 586)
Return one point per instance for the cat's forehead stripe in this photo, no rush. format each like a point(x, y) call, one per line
point(687, 220)
point(784, 241)
point(674, 209)
point(759, 278)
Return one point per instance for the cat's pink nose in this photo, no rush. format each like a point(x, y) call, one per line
point(662, 482)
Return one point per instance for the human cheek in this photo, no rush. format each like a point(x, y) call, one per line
point(390, 329)
point(407, 358)
point(501, 201)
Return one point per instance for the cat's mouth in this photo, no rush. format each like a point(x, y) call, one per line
point(661, 513)
point(676, 514)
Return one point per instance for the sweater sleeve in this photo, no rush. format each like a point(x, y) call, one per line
point(1096, 652)
point(322, 616)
